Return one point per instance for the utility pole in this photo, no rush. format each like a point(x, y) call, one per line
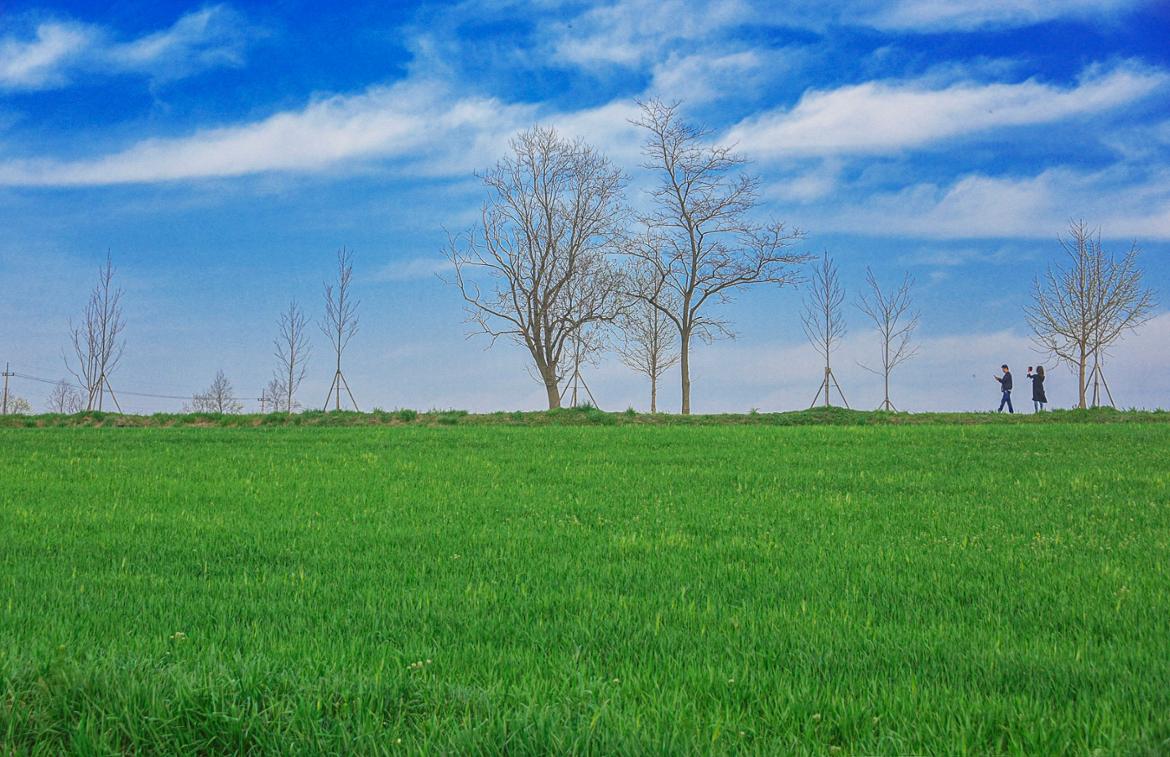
point(263, 401)
point(7, 373)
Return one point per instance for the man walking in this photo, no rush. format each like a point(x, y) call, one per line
point(1005, 383)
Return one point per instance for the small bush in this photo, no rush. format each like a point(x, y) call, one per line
point(406, 415)
point(450, 417)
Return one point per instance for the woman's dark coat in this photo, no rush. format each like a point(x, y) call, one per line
point(1038, 388)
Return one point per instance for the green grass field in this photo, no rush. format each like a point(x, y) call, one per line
point(601, 588)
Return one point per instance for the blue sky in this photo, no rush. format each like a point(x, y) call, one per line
point(221, 153)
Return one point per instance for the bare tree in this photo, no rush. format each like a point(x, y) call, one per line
point(277, 397)
point(895, 319)
point(292, 354)
point(217, 398)
point(1080, 309)
point(648, 343)
point(14, 405)
point(700, 239)
point(64, 398)
point(540, 250)
point(340, 323)
point(824, 324)
point(97, 342)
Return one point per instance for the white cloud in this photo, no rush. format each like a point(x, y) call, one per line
point(606, 127)
point(57, 51)
point(808, 186)
point(701, 77)
point(938, 15)
point(40, 62)
point(420, 123)
point(636, 32)
point(977, 206)
point(633, 32)
point(410, 120)
point(883, 117)
point(949, 256)
point(413, 269)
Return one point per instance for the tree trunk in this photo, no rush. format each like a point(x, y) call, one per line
point(550, 386)
point(1081, 379)
point(827, 374)
point(653, 394)
point(684, 362)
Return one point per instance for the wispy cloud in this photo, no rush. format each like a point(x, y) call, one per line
point(52, 54)
point(712, 74)
point(413, 269)
point(888, 116)
point(413, 120)
point(637, 32)
point(933, 15)
point(949, 256)
point(1122, 200)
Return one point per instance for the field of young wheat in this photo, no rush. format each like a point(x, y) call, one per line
point(607, 589)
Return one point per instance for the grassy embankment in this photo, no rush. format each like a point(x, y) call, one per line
point(818, 416)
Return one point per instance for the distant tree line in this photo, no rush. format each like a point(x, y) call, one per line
point(561, 263)
point(97, 346)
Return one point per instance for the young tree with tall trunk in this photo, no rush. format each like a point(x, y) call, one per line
point(701, 241)
point(536, 269)
point(823, 322)
point(292, 355)
point(339, 325)
point(97, 342)
point(1080, 309)
point(649, 342)
point(896, 320)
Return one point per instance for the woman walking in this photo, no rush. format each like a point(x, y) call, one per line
point(1039, 400)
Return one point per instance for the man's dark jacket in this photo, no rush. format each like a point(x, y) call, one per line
point(1006, 382)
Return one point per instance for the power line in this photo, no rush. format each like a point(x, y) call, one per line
point(54, 382)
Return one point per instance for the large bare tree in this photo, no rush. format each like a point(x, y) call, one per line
point(217, 398)
point(536, 268)
point(97, 341)
point(894, 317)
point(648, 340)
point(340, 323)
point(1081, 308)
point(701, 240)
point(64, 398)
point(292, 355)
point(823, 321)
